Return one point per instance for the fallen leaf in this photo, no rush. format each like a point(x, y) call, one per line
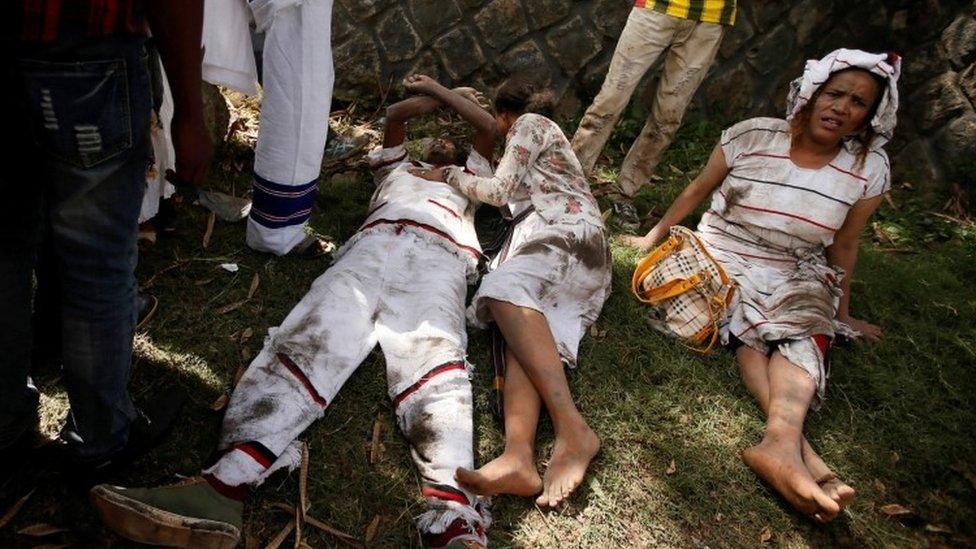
point(239, 374)
point(246, 334)
point(231, 307)
point(339, 534)
point(246, 353)
point(719, 517)
point(675, 169)
point(374, 526)
point(375, 448)
point(766, 535)
point(12, 512)
point(938, 529)
point(282, 535)
point(303, 480)
point(220, 403)
point(203, 282)
point(40, 530)
point(211, 219)
point(255, 282)
point(230, 267)
point(896, 511)
point(672, 468)
point(895, 457)
point(606, 215)
point(879, 486)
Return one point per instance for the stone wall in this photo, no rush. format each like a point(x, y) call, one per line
point(569, 43)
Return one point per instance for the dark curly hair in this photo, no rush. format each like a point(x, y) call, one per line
point(521, 94)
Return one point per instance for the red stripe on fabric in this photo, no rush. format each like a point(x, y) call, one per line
point(238, 493)
point(852, 174)
point(52, 16)
point(640, 3)
point(109, 19)
point(751, 328)
point(443, 368)
point(777, 212)
point(443, 207)
point(823, 342)
point(295, 371)
point(255, 454)
point(429, 492)
point(424, 226)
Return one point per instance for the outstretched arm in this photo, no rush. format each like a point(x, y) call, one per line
point(465, 104)
point(689, 199)
point(843, 254)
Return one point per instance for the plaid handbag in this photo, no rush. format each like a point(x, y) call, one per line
point(688, 291)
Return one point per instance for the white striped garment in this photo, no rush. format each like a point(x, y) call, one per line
point(769, 224)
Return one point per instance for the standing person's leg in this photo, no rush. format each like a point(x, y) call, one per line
point(514, 471)
point(754, 369)
point(528, 335)
point(297, 79)
point(646, 34)
point(283, 391)
point(685, 66)
point(20, 228)
point(421, 329)
point(95, 135)
point(778, 458)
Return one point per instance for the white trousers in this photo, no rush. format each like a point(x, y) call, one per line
point(398, 290)
point(298, 75)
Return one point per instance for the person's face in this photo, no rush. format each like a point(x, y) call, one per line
point(842, 106)
point(440, 152)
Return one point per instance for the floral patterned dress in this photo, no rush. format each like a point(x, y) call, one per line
point(557, 259)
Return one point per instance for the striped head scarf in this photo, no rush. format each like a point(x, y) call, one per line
point(817, 72)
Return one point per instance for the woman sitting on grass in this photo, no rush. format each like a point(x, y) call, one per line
point(547, 287)
point(790, 199)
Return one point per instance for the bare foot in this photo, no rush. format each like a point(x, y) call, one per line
point(837, 490)
point(782, 467)
point(506, 474)
point(571, 455)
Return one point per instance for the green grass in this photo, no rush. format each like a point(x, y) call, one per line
point(897, 423)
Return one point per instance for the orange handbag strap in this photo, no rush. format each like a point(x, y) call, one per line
point(645, 265)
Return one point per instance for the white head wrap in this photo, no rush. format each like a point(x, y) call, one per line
point(817, 72)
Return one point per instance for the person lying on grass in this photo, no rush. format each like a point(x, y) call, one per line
point(788, 201)
point(399, 282)
point(546, 287)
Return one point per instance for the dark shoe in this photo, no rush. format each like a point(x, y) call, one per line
point(18, 471)
point(148, 430)
point(188, 514)
point(147, 305)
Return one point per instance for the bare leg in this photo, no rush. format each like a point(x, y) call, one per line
point(754, 368)
point(528, 336)
point(778, 459)
point(514, 471)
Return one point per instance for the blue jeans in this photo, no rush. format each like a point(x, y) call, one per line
point(76, 176)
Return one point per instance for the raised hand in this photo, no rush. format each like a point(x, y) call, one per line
point(419, 83)
point(472, 95)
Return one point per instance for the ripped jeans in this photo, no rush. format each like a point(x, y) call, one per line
point(74, 175)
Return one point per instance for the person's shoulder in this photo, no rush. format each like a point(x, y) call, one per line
point(758, 124)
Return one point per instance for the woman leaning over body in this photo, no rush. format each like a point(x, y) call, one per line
point(546, 287)
point(788, 201)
